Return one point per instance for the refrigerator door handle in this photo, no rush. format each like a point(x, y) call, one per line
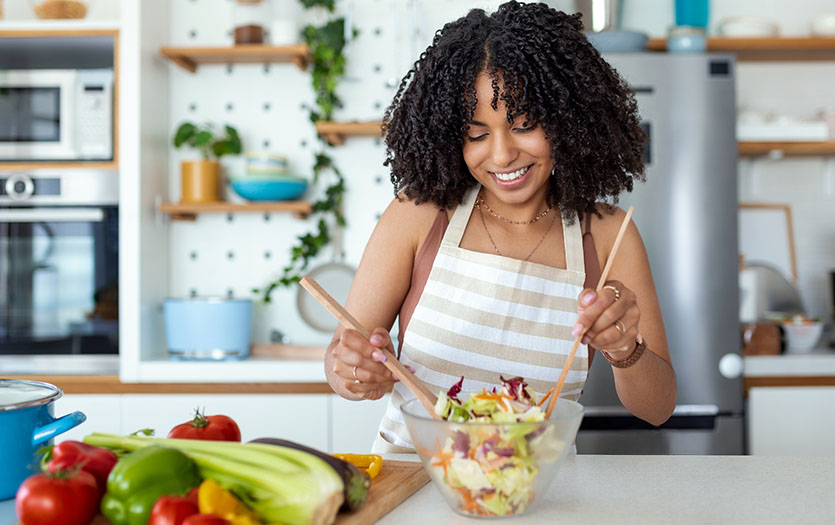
point(680, 410)
point(731, 366)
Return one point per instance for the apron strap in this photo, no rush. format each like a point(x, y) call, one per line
point(573, 239)
point(460, 218)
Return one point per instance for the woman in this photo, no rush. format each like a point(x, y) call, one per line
point(502, 142)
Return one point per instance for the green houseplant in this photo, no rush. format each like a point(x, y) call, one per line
point(200, 179)
point(326, 43)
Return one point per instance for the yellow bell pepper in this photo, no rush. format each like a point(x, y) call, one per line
point(214, 499)
point(372, 463)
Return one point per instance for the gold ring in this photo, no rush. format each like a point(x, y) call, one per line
point(618, 324)
point(356, 379)
point(615, 290)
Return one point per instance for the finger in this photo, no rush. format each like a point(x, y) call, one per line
point(593, 305)
point(620, 332)
point(355, 350)
point(615, 300)
point(368, 378)
point(380, 339)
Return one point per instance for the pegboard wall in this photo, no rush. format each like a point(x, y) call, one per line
point(228, 255)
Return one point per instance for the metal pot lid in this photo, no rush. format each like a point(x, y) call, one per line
point(16, 394)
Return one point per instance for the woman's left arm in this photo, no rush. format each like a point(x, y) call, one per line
point(625, 311)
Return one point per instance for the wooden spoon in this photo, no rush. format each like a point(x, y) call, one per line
point(600, 283)
point(424, 395)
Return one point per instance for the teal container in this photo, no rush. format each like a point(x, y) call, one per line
point(694, 13)
point(27, 424)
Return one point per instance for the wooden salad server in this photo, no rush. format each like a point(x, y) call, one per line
point(426, 397)
point(561, 381)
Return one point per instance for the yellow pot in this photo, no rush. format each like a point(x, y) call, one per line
point(200, 181)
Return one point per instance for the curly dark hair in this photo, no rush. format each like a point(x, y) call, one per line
point(549, 73)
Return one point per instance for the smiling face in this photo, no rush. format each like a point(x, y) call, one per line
point(511, 160)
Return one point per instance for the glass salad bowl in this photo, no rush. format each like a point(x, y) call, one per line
point(492, 469)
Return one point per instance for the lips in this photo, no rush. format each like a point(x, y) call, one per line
point(510, 176)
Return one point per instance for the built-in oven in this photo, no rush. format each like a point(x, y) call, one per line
point(59, 263)
point(56, 114)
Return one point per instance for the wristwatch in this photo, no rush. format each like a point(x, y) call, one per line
point(640, 347)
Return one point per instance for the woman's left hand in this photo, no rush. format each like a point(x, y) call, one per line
point(611, 316)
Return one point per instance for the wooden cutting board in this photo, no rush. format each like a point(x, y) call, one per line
point(393, 485)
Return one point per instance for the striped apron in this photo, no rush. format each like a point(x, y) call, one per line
point(482, 316)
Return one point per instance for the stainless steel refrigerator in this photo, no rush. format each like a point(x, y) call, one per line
point(687, 215)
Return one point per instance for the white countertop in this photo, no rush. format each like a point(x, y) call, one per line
point(818, 362)
point(664, 489)
point(653, 489)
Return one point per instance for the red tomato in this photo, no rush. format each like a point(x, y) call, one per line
point(62, 499)
point(172, 510)
point(192, 495)
point(205, 519)
point(212, 428)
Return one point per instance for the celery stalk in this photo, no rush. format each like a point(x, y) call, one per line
point(280, 484)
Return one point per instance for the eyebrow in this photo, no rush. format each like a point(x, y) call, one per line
point(477, 123)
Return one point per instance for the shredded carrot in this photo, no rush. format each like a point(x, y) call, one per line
point(492, 397)
point(442, 457)
point(547, 395)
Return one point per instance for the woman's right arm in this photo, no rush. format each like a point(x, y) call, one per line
point(379, 287)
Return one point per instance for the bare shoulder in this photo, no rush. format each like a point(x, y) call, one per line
point(605, 229)
point(407, 221)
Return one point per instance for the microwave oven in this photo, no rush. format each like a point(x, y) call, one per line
point(56, 114)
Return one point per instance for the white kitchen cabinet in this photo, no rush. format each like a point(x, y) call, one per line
point(791, 421)
point(103, 411)
point(301, 418)
point(354, 423)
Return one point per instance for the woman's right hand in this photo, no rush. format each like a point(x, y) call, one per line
point(354, 365)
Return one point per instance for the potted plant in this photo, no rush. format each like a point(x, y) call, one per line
point(200, 179)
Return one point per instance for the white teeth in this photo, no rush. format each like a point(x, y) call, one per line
point(506, 177)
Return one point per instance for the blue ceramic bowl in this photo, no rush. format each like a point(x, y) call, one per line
point(254, 188)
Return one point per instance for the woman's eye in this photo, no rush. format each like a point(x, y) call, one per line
point(476, 138)
point(527, 129)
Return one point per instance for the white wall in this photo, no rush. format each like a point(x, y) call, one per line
point(216, 255)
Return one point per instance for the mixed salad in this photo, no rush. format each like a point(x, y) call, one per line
point(491, 468)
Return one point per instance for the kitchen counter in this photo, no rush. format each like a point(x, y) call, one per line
point(654, 489)
point(665, 489)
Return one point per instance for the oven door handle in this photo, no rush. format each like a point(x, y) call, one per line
point(52, 215)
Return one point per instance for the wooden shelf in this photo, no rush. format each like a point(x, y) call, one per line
point(765, 49)
point(336, 132)
point(752, 149)
point(56, 28)
point(62, 164)
point(189, 58)
point(189, 212)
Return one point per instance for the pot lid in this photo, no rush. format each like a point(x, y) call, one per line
point(15, 394)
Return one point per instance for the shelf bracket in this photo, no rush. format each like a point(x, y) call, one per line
point(335, 139)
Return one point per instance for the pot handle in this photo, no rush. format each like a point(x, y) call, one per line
point(59, 426)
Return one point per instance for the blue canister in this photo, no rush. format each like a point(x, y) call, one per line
point(693, 13)
point(26, 425)
point(208, 328)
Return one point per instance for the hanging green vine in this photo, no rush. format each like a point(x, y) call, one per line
point(326, 43)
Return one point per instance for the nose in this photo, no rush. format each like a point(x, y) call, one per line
point(504, 150)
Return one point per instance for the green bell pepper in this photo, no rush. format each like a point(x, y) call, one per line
point(142, 477)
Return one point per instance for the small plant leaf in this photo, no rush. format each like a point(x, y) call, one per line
point(184, 133)
point(202, 138)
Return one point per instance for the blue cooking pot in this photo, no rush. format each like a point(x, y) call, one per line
point(27, 425)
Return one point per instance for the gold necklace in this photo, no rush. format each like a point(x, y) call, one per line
point(484, 223)
point(479, 203)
